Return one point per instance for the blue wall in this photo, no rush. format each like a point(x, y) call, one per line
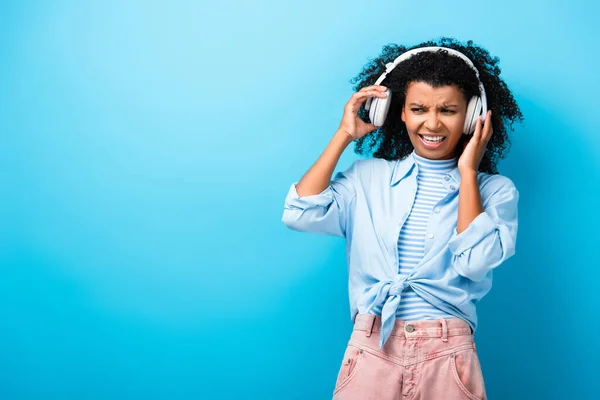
point(145, 152)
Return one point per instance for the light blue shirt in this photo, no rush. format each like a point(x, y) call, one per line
point(368, 204)
point(413, 235)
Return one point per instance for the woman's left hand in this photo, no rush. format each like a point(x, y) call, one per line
point(474, 147)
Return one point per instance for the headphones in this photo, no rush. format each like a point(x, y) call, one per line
point(378, 107)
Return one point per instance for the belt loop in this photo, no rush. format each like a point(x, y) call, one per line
point(444, 330)
point(370, 325)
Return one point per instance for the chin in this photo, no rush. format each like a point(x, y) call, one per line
point(434, 154)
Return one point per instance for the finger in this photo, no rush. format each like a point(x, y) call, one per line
point(477, 134)
point(358, 98)
point(487, 129)
point(361, 97)
point(369, 93)
point(466, 143)
point(379, 88)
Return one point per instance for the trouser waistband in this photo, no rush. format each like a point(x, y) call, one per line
point(441, 328)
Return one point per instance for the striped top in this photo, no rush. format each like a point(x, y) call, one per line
point(411, 241)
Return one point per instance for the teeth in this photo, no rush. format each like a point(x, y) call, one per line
point(433, 139)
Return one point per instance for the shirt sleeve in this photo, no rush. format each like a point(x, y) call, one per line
point(324, 213)
point(491, 237)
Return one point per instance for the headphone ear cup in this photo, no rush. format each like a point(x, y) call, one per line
point(473, 111)
point(379, 108)
point(373, 109)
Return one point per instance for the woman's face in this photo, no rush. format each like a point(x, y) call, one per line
point(434, 112)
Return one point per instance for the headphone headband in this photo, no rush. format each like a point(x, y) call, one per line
point(406, 55)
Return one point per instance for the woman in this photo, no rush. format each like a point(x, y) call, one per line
point(426, 219)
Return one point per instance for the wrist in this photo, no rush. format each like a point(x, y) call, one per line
point(468, 173)
point(345, 136)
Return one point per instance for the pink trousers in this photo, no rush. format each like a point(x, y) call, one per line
point(424, 360)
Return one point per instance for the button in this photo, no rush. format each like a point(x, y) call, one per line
point(446, 178)
point(410, 328)
point(437, 210)
point(451, 187)
point(430, 236)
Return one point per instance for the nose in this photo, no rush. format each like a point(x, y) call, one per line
point(432, 122)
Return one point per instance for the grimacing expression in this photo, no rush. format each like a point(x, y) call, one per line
point(437, 113)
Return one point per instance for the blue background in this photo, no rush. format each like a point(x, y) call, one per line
point(146, 149)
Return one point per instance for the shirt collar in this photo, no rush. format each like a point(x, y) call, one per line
point(404, 167)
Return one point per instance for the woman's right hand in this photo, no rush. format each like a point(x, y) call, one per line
point(351, 123)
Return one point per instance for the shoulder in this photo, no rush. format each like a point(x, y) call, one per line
point(371, 168)
point(492, 185)
point(495, 180)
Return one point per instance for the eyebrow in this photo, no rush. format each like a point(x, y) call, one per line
point(444, 106)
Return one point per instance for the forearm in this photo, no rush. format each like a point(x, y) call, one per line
point(469, 200)
point(318, 176)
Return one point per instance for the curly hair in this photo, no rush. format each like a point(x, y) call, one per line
point(391, 141)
